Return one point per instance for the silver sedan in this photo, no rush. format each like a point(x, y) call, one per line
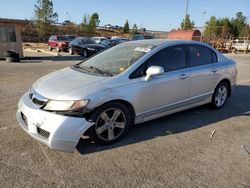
point(131, 83)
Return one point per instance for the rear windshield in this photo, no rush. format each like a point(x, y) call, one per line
point(62, 38)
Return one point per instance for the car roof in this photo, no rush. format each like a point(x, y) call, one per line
point(82, 38)
point(159, 42)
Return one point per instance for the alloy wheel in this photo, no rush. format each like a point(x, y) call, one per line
point(221, 96)
point(85, 53)
point(110, 124)
point(70, 51)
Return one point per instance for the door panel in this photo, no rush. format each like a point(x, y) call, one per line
point(162, 93)
point(166, 91)
point(203, 70)
point(202, 80)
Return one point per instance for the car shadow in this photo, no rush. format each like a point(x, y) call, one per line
point(237, 105)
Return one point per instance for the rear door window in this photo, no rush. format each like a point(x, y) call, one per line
point(214, 56)
point(200, 55)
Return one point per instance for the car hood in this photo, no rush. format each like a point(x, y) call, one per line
point(69, 84)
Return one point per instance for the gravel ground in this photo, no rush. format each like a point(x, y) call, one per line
point(174, 151)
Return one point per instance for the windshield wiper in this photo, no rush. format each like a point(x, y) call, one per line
point(77, 67)
point(100, 71)
point(91, 69)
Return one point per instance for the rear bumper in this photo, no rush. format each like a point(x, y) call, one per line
point(56, 131)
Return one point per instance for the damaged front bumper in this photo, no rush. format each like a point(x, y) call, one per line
point(59, 132)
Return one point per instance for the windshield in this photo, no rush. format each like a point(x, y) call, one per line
point(88, 41)
point(149, 37)
point(117, 59)
point(71, 37)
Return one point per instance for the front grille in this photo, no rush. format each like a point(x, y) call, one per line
point(38, 102)
point(43, 132)
point(37, 98)
point(24, 119)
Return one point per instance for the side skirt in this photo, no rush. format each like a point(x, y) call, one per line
point(173, 108)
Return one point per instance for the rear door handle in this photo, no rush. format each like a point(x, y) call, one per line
point(214, 70)
point(183, 76)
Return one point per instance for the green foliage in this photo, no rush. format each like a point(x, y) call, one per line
point(211, 28)
point(223, 27)
point(134, 29)
point(44, 17)
point(187, 23)
point(126, 27)
point(89, 24)
point(239, 25)
point(94, 20)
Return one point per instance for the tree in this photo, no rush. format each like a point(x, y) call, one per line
point(94, 20)
point(225, 27)
point(44, 17)
point(211, 28)
point(187, 23)
point(135, 29)
point(239, 25)
point(126, 27)
point(89, 24)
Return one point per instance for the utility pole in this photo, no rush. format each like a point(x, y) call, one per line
point(186, 14)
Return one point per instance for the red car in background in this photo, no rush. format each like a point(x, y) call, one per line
point(59, 42)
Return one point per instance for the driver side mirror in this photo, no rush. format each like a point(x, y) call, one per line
point(153, 71)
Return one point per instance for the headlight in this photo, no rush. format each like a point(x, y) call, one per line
point(91, 49)
point(56, 105)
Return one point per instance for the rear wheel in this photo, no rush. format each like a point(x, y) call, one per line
point(220, 95)
point(112, 122)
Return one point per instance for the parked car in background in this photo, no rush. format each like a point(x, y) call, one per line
point(59, 42)
point(240, 45)
point(131, 83)
point(142, 37)
point(85, 46)
point(143, 29)
point(109, 26)
point(116, 37)
point(102, 40)
point(71, 37)
point(116, 41)
point(66, 22)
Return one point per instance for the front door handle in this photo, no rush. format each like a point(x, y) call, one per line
point(183, 76)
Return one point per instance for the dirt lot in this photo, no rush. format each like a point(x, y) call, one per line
point(174, 151)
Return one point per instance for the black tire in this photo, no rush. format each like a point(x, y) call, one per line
point(123, 119)
point(71, 52)
point(11, 54)
point(12, 59)
point(234, 50)
point(85, 53)
point(50, 48)
point(216, 103)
